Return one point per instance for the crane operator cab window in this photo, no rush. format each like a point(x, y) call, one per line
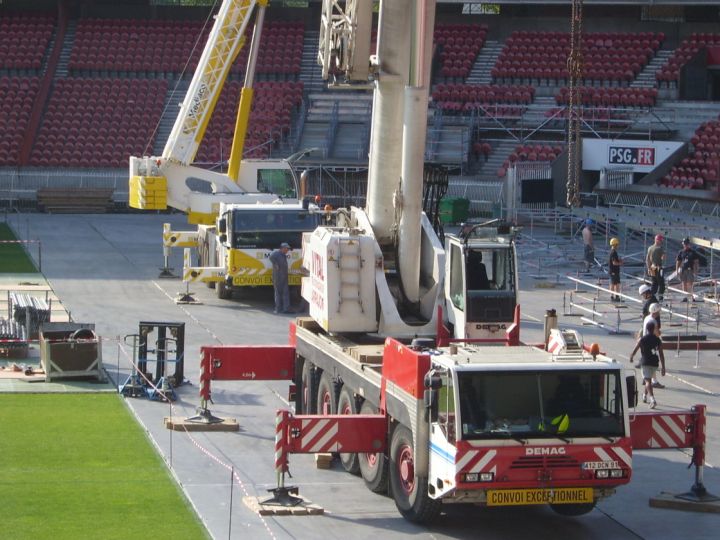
point(278, 181)
point(486, 288)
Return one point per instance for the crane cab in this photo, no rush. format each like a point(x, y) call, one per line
point(481, 289)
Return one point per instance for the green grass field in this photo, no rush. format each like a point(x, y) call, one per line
point(79, 466)
point(13, 258)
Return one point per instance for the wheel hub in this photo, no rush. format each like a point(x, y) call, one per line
point(407, 468)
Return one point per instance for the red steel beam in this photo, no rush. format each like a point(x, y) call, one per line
point(312, 434)
point(250, 362)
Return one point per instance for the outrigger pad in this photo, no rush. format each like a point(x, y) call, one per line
point(691, 501)
point(287, 504)
point(187, 424)
point(167, 273)
point(186, 298)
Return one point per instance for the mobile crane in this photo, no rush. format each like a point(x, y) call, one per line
point(432, 418)
point(214, 201)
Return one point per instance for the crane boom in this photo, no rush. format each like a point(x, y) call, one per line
point(226, 39)
point(158, 182)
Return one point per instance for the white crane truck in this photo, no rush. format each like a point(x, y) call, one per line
point(214, 201)
point(432, 416)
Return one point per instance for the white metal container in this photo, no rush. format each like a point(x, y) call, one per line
point(340, 285)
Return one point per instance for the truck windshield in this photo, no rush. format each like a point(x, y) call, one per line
point(540, 404)
point(267, 229)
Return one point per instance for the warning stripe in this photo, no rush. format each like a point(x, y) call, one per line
point(623, 455)
point(605, 454)
point(676, 424)
point(474, 461)
point(320, 437)
point(668, 438)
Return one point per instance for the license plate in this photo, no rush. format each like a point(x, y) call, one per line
point(511, 497)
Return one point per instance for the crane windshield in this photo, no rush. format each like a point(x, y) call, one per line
point(541, 404)
point(278, 181)
point(268, 228)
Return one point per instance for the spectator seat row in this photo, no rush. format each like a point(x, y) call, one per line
point(17, 95)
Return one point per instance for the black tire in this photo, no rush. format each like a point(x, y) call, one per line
point(373, 467)
point(347, 404)
point(409, 490)
point(327, 398)
point(573, 509)
point(308, 389)
point(222, 291)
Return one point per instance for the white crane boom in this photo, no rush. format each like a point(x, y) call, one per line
point(224, 43)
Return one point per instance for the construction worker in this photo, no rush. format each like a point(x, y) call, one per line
point(655, 261)
point(588, 249)
point(651, 357)
point(646, 293)
point(279, 261)
point(687, 264)
point(653, 316)
point(614, 264)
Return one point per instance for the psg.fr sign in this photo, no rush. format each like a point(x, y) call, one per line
point(640, 156)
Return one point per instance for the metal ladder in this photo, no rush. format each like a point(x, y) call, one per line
point(349, 248)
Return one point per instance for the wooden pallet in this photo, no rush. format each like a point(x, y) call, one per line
point(74, 200)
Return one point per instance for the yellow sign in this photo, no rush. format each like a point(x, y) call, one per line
point(251, 281)
point(511, 497)
point(262, 280)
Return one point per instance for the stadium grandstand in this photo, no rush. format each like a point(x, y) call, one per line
point(84, 84)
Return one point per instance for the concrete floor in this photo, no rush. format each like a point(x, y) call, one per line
point(104, 269)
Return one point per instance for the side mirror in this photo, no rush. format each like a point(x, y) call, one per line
point(430, 399)
point(223, 238)
point(433, 383)
point(222, 225)
point(632, 392)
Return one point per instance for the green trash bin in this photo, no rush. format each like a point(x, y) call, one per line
point(454, 209)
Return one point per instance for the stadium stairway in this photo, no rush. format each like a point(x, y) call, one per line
point(500, 152)
point(646, 78)
point(310, 71)
point(62, 66)
point(175, 94)
point(535, 114)
point(347, 140)
point(480, 72)
point(450, 146)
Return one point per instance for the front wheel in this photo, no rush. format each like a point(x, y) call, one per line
point(373, 467)
point(222, 291)
point(573, 509)
point(409, 490)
